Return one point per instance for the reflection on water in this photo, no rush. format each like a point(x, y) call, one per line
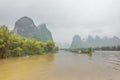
point(101, 65)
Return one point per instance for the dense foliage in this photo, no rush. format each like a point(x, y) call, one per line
point(14, 45)
point(88, 51)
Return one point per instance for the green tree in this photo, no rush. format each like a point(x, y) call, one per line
point(4, 41)
point(14, 45)
point(17, 51)
point(49, 46)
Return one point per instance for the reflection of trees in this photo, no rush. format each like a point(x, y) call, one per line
point(90, 56)
point(50, 57)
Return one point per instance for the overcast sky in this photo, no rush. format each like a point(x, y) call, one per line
point(65, 18)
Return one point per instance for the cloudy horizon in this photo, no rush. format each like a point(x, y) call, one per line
point(65, 18)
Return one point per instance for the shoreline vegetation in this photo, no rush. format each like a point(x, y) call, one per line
point(82, 51)
point(87, 51)
point(91, 50)
point(12, 45)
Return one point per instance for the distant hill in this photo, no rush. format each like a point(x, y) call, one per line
point(25, 27)
point(78, 43)
point(43, 33)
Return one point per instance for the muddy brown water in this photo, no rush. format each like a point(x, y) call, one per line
point(101, 65)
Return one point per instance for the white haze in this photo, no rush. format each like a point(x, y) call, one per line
point(65, 18)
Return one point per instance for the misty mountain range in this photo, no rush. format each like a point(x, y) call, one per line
point(78, 43)
point(25, 27)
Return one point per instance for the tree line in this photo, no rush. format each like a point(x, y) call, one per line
point(112, 48)
point(12, 45)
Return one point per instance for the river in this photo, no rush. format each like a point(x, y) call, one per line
point(101, 65)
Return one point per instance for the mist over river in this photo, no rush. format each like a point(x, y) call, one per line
point(101, 65)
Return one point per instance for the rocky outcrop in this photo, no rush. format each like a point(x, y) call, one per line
point(43, 33)
point(76, 42)
point(25, 27)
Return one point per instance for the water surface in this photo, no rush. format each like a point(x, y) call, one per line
point(102, 65)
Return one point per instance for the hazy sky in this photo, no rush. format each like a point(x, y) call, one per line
point(65, 18)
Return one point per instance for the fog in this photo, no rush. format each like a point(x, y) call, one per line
point(65, 18)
